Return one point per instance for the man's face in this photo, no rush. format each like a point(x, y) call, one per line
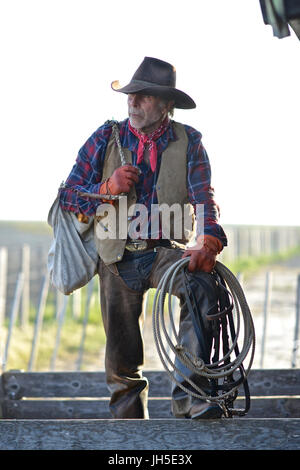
point(146, 112)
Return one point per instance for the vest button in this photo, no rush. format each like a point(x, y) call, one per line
point(119, 257)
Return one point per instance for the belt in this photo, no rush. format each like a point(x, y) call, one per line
point(141, 245)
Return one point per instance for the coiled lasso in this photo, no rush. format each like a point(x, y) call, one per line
point(223, 368)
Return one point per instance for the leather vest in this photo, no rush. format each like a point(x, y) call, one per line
point(171, 189)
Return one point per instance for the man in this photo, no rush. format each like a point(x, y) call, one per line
point(166, 164)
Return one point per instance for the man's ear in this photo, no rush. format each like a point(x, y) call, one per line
point(170, 105)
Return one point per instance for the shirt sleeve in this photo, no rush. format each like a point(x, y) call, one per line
point(199, 188)
point(86, 174)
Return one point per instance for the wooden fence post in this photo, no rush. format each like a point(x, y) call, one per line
point(240, 278)
point(3, 283)
point(59, 300)
point(38, 322)
point(255, 242)
point(61, 317)
point(265, 317)
point(13, 315)
point(145, 304)
point(24, 315)
point(76, 303)
point(89, 294)
point(296, 331)
point(175, 306)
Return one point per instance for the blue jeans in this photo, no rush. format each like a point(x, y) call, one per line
point(135, 269)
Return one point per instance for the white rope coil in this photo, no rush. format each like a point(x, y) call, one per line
point(222, 368)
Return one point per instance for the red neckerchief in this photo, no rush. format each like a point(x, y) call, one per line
point(149, 139)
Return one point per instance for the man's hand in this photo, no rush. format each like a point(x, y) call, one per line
point(122, 179)
point(203, 254)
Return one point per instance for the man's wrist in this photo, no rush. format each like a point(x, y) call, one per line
point(210, 243)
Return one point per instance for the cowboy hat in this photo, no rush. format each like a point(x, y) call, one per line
point(158, 78)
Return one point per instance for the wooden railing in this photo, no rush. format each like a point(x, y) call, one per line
point(69, 410)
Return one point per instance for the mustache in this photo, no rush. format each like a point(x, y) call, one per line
point(135, 112)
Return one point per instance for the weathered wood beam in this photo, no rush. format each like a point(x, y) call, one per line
point(16, 384)
point(283, 407)
point(157, 434)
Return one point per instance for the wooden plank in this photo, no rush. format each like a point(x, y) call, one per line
point(265, 382)
point(274, 382)
point(283, 407)
point(55, 409)
point(162, 434)
point(18, 384)
point(54, 384)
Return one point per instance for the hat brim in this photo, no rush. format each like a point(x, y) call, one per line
point(181, 99)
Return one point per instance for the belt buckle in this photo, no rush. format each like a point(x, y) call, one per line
point(136, 245)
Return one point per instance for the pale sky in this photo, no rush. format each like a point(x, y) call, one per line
point(59, 57)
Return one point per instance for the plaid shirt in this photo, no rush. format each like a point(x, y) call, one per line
point(86, 174)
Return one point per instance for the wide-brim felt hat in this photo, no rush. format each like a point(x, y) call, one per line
point(158, 78)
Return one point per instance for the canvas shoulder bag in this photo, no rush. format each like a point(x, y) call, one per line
point(72, 258)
